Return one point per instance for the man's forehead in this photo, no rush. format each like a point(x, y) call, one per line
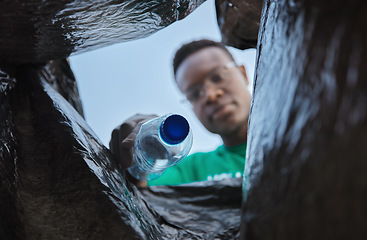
point(200, 61)
point(207, 55)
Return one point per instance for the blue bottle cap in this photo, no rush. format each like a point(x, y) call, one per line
point(174, 129)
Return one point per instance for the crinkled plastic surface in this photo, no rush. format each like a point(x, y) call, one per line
point(57, 180)
point(305, 173)
point(238, 21)
point(38, 31)
point(202, 210)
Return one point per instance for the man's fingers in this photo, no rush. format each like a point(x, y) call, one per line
point(127, 147)
point(115, 144)
point(132, 123)
point(123, 138)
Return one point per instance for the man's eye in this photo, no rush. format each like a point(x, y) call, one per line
point(217, 78)
point(194, 95)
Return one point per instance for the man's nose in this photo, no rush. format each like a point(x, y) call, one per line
point(212, 93)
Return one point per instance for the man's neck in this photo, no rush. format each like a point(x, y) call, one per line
point(236, 138)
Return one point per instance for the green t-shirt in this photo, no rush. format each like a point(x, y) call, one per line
point(224, 162)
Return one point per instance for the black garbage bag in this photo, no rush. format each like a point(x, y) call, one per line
point(38, 31)
point(204, 210)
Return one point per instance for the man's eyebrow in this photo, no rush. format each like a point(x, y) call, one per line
point(213, 70)
point(225, 66)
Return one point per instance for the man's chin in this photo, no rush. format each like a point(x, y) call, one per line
point(226, 125)
point(226, 120)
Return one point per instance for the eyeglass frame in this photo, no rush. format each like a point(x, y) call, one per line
point(227, 66)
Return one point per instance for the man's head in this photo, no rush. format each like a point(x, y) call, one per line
point(206, 74)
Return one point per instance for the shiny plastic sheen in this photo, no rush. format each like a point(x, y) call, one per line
point(37, 30)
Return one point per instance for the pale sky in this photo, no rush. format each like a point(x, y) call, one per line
point(118, 81)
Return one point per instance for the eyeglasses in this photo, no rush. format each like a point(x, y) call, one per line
point(217, 78)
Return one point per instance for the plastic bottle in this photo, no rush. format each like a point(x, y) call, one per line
point(161, 142)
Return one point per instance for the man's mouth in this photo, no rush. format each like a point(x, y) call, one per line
point(220, 112)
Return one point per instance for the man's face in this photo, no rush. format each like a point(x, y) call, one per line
point(217, 90)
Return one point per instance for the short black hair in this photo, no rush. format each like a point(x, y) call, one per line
point(192, 47)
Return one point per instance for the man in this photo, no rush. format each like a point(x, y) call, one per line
point(205, 72)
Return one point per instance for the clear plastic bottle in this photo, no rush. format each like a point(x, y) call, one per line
point(161, 142)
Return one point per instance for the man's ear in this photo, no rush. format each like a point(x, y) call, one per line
point(244, 73)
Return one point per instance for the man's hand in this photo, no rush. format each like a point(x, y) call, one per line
point(122, 142)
